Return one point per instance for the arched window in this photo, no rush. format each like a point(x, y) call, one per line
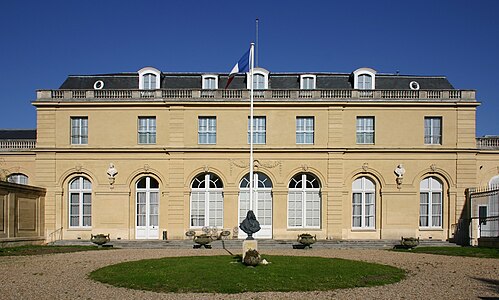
point(18, 178)
point(207, 205)
point(149, 81)
point(261, 205)
point(363, 203)
point(258, 82)
point(365, 82)
point(80, 202)
point(260, 79)
point(147, 208)
point(364, 79)
point(430, 203)
point(304, 202)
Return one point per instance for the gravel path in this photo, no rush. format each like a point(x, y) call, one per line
point(64, 276)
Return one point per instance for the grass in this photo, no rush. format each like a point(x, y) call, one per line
point(457, 251)
point(226, 274)
point(39, 250)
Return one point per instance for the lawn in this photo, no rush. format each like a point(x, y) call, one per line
point(226, 274)
point(38, 250)
point(457, 251)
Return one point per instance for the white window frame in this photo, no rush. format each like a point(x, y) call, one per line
point(259, 71)
point(259, 130)
point(209, 202)
point(303, 80)
point(143, 73)
point(262, 199)
point(366, 189)
point(204, 81)
point(207, 130)
point(18, 178)
point(431, 136)
point(147, 130)
point(305, 127)
point(79, 130)
point(150, 211)
point(304, 203)
point(80, 191)
point(431, 186)
point(364, 71)
point(363, 132)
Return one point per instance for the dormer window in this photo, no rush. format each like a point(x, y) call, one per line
point(210, 82)
point(149, 81)
point(260, 79)
point(307, 82)
point(149, 78)
point(364, 79)
point(365, 82)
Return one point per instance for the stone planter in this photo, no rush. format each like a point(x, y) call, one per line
point(99, 239)
point(307, 239)
point(203, 240)
point(409, 242)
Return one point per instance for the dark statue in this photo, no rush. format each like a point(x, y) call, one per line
point(250, 225)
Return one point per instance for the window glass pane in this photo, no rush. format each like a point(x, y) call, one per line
point(147, 130)
point(258, 81)
point(433, 130)
point(364, 82)
point(304, 130)
point(207, 130)
point(259, 130)
point(153, 183)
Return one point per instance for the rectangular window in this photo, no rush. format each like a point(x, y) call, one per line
point(430, 209)
point(308, 83)
point(210, 83)
point(304, 130)
point(365, 130)
point(259, 130)
point(147, 130)
point(207, 130)
point(433, 130)
point(79, 130)
point(363, 210)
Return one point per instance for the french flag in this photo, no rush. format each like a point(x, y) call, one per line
point(241, 67)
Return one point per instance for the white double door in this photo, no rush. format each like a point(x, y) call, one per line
point(147, 215)
point(261, 206)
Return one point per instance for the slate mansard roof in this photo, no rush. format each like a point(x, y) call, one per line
point(277, 81)
point(17, 134)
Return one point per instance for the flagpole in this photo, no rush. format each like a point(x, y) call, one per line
point(252, 64)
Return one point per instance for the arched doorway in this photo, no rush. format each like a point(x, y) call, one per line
point(147, 208)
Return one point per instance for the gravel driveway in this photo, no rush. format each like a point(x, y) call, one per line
point(64, 276)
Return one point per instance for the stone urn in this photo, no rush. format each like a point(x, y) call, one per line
point(203, 240)
point(409, 242)
point(99, 239)
point(306, 239)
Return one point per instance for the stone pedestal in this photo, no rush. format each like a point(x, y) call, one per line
point(249, 244)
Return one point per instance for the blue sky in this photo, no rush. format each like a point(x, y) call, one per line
point(44, 41)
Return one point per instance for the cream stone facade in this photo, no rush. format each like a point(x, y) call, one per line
point(368, 163)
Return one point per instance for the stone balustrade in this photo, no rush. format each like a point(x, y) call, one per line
point(487, 142)
point(221, 94)
point(17, 145)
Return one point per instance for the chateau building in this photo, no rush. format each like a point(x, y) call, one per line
point(150, 154)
